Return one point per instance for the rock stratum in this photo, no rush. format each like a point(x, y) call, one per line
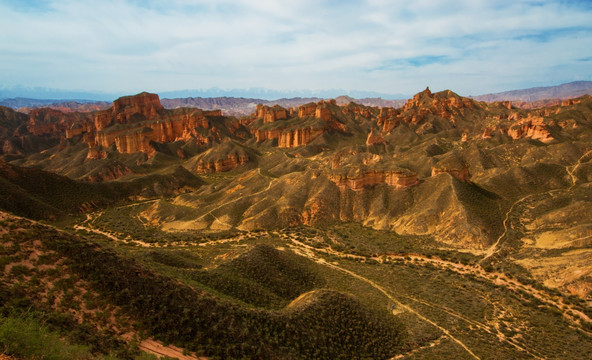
point(443, 228)
point(442, 165)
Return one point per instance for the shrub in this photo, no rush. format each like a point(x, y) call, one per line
point(24, 336)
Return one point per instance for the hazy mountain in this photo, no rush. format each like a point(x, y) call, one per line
point(564, 91)
point(45, 93)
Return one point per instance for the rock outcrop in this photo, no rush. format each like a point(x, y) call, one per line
point(270, 114)
point(531, 127)
point(461, 173)
point(135, 121)
point(132, 124)
point(307, 110)
point(223, 157)
point(374, 138)
point(230, 162)
point(425, 105)
point(298, 137)
point(311, 121)
point(360, 179)
point(51, 122)
point(144, 103)
point(360, 110)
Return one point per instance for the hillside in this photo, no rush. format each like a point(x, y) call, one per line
point(441, 227)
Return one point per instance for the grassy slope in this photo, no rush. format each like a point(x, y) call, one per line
point(198, 321)
point(43, 195)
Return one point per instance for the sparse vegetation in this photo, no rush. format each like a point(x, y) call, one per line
point(438, 240)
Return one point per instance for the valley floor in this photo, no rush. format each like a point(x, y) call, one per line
point(451, 305)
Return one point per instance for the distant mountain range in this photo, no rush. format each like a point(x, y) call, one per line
point(229, 105)
point(10, 92)
point(563, 91)
point(232, 103)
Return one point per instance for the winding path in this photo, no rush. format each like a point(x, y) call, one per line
point(494, 277)
point(570, 169)
point(309, 253)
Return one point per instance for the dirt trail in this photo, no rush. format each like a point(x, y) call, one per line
point(148, 345)
point(494, 277)
point(96, 231)
point(114, 237)
point(495, 247)
point(574, 168)
point(416, 350)
point(239, 198)
point(156, 348)
point(570, 169)
point(308, 252)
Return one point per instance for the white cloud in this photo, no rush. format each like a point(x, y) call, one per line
point(389, 46)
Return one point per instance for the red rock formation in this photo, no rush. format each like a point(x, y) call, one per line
point(94, 153)
point(444, 104)
point(46, 121)
point(102, 120)
point(143, 120)
point(262, 135)
point(570, 102)
point(132, 142)
point(388, 119)
point(74, 130)
point(226, 164)
point(461, 174)
point(359, 110)
point(401, 179)
point(298, 137)
point(323, 113)
point(145, 104)
point(374, 138)
point(307, 110)
point(531, 127)
point(270, 114)
point(161, 127)
point(486, 134)
point(360, 180)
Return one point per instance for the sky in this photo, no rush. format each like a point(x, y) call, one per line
point(472, 47)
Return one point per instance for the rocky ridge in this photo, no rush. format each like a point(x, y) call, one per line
point(353, 153)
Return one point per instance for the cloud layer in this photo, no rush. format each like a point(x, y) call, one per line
point(469, 46)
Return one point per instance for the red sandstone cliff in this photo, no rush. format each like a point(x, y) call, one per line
point(270, 114)
point(223, 157)
point(144, 103)
point(298, 137)
point(135, 121)
point(359, 179)
point(445, 104)
point(312, 121)
point(532, 127)
point(227, 163)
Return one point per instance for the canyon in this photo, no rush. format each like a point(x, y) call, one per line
point(441, 164)
point(447, 222)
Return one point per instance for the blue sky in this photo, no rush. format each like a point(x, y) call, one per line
point(393, 47)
